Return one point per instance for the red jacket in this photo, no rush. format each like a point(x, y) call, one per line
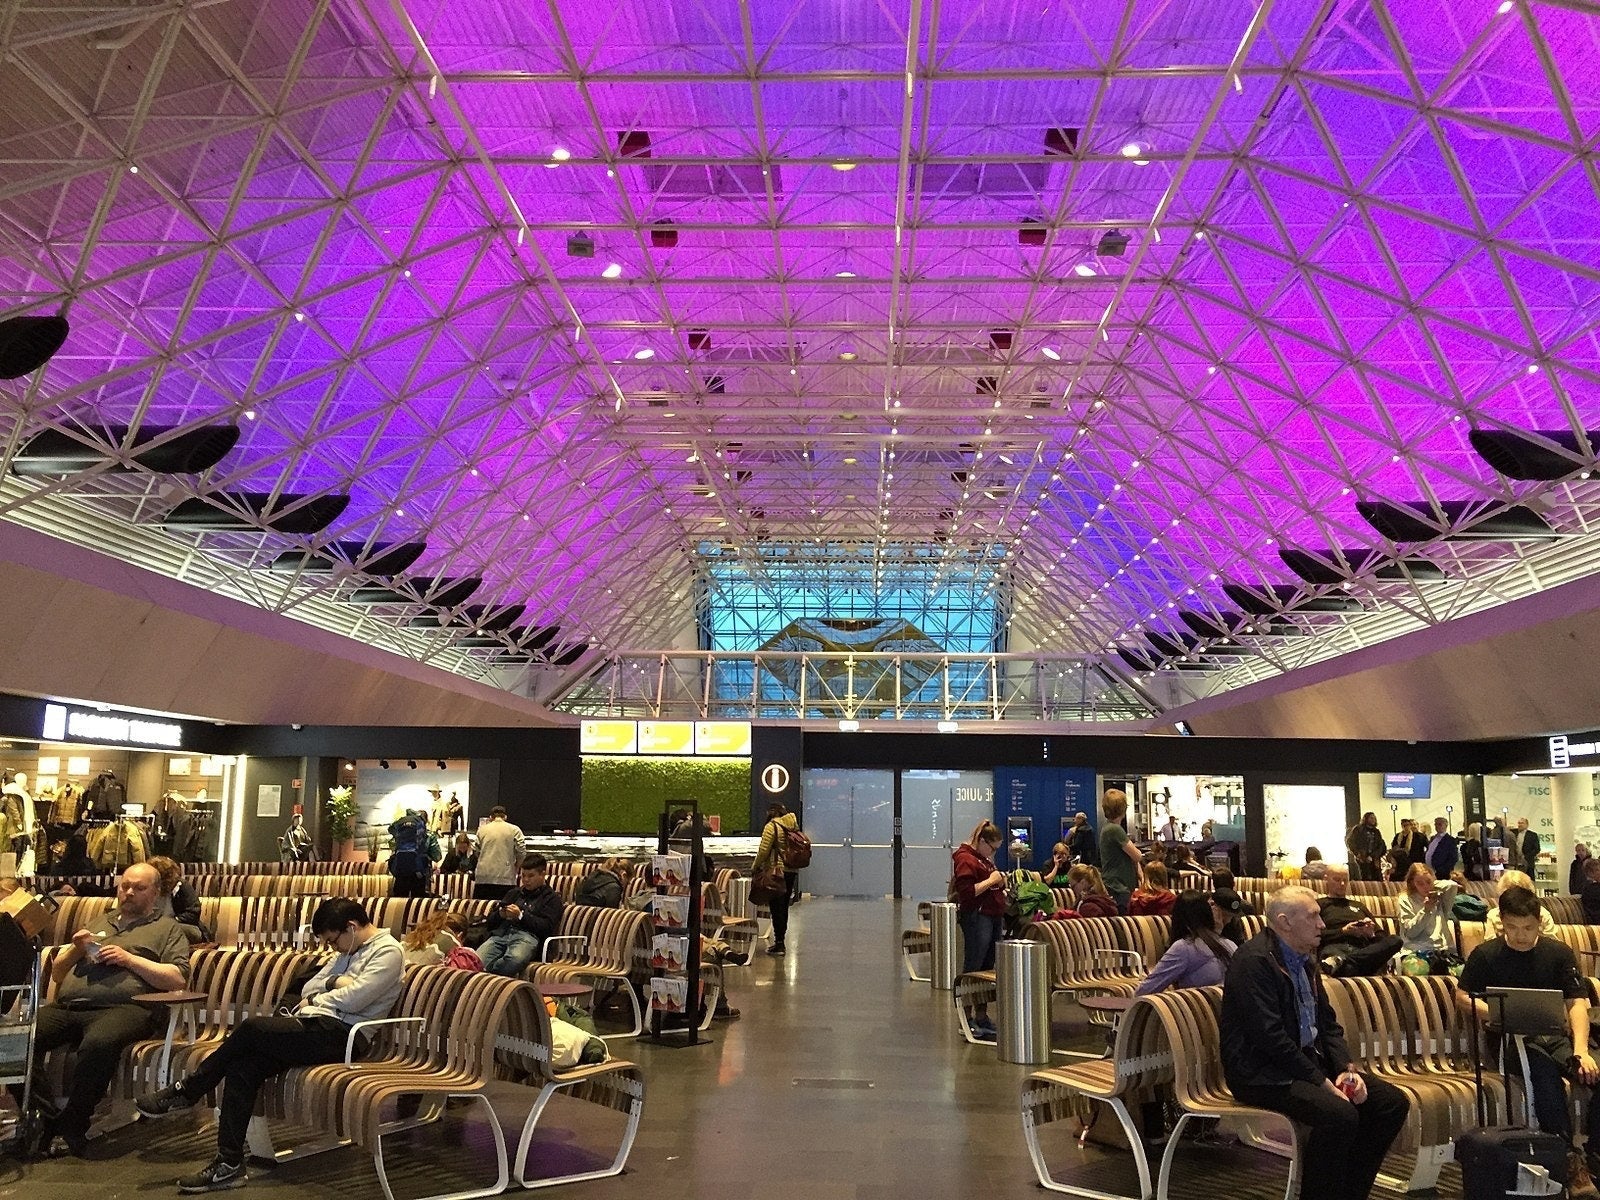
point(1151, 904)
point(968, 868)
point(1097, 906)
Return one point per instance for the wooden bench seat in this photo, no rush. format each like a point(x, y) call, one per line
point(1138, 1069)
point(598, 945)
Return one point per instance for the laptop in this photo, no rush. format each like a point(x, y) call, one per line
point(1527, 1012)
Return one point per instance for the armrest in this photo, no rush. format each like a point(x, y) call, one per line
point(350, 1042)
point(566, 937)
point(1128, 958)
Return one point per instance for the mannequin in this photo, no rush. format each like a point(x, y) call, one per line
point(18, 809)
point(297, 840)
point(455, 816)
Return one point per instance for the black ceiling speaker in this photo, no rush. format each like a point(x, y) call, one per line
point(310, 514)
point(51, 452)
point(1517, 455)
point(27, 343)
point(1418, 521)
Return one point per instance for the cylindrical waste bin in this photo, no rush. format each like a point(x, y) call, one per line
point(945, 946)
point(738, 901)
point(1022, 985)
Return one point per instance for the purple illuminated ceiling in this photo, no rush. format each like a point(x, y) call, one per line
point(866, 288)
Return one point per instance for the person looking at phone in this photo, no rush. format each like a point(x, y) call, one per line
point(1283, 1050)
point(978, 888)
point(1424, 911)
point(128, 951)
point(525, 916)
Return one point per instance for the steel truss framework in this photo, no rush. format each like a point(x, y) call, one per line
point(985, 688)
point(863, 292)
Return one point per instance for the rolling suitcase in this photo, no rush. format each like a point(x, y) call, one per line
point(1490, 1155)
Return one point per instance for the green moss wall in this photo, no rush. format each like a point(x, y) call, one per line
point(626, 794)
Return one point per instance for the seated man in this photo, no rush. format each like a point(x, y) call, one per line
point(1520, 958)
point(1351, 943)
point(360, 983)
point(1283, 1050)
point(1591, 891)
point(130, 950)
point(529, 913)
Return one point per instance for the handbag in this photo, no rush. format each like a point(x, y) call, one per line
point(766, 886)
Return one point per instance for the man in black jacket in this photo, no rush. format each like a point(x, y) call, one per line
point(1283, 1050)
point(529, 913)
point(1352, 943)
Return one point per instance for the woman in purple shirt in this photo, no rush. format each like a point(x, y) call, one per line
point(1198, 955)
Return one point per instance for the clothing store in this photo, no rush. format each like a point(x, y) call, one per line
point(88, 789)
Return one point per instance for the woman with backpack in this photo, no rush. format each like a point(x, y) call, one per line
point(779, 821)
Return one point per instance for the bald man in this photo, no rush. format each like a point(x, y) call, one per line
point(129, 950)
point(1283, 1050)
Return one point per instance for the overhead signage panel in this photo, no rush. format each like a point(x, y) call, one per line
point(722, 737)
point(666, 737)
point(609, 737)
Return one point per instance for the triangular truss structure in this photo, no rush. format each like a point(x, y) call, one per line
point(1250, 333)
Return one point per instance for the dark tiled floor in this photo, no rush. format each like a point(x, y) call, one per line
point(778, 1099)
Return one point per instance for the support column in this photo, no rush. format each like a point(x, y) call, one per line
point(1568, 792)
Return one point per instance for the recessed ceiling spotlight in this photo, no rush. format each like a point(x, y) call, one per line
point(612, 271)
point(561, 154)
point(1533, 368)
point(1049, 352)
point(843, 165)
point(1505, 7)
point(641, 355)
point(249, 414)
point(847, 356)
point(844, 273)
point(1085, 270)
point(1131, 150)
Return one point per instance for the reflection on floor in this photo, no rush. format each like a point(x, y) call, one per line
point(842, 1081)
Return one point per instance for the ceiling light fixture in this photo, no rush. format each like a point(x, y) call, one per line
point(412, 763)
point(612, 271)
point(1049, 352)
point(641, 355)
point(561, 154)
point(383, 763)
point(848, 726)
point(1085, 270)
point(843, 166)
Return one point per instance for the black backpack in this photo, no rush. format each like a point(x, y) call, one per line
point(410, 854)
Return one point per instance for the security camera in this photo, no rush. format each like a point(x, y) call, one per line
point(297, 728)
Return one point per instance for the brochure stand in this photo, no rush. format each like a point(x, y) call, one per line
point(675, 946)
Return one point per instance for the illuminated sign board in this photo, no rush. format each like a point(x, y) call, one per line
point(722, 737)
point(666, 737)
point(609, 737)
point(1575, 750)
point(63, 723)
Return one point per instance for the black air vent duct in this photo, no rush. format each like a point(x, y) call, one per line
point(1322, 567)
point(51, 452)
point(534, 638)
point(1238, 625)
point(481, 616)
point(1525, 456)
point(311, 514)
point(1415, 520)
point(1271, 598)
point(27, 343)
point(386, 558)
point(441, 593)
point(1176, 645)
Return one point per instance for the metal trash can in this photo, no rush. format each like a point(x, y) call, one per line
point(944, 947)
point(1022, 984)
point(738, 899)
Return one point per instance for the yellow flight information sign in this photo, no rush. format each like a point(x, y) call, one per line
point(666, 737)
point(609, 737)
point(722, 737)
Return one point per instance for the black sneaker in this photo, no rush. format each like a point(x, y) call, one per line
point(217, 1177)
point(170, 1099)
point(776, 948)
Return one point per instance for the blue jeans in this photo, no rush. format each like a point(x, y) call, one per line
point(979, 933)
point(508, 952)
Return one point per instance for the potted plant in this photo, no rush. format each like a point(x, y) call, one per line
point(341, 814)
